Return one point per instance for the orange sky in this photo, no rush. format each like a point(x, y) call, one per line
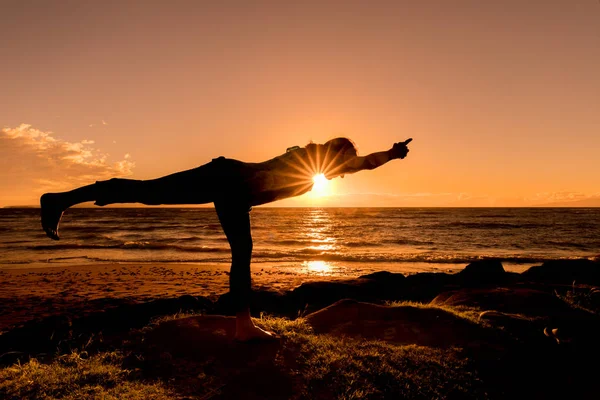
point(501, 97)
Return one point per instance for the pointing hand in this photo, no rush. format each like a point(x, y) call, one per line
point(400, 149)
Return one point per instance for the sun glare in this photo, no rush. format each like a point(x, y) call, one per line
point(318, 267)
point(320, 185)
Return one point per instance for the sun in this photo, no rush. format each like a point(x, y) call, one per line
point(321, 184)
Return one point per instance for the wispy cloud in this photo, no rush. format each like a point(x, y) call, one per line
point(103, 123)
point(565, 198)
point(34, 161)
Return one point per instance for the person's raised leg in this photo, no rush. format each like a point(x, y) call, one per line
point(115, 190)
point(195, 186)
point(235, 221)
point(53, 205)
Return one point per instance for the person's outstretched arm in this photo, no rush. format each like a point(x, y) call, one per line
point(374, 160)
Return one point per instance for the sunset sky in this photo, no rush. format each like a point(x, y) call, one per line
point(502, 98)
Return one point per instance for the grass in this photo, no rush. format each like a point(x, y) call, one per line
point(585, 298)
point(341, 368)
point(76, 376)
point(356, 370)
point(467, 313)
point(306, 366)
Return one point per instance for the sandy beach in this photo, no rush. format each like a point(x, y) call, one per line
point(34, 293)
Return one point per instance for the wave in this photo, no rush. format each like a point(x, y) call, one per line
point(361, 244)
point(131, 246)
point(492, 225)
point(287, 258)
point(311, 242)
point(409, 242)
point(434, 258)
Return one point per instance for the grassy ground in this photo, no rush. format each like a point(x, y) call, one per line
point(305, 366)
point(77, 376)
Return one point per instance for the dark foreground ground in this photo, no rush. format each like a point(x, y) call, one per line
point(482, 333)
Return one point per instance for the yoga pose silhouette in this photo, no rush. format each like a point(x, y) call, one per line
point(234, 187)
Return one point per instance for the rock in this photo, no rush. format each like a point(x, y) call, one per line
point(312, 296)
point(565, 272)
point(205, 343)
point(37, 336)
point(520, 327)
point(206, 336)
point(503, 319)
point(400, 325)
point(198, 334)
point(525, 301)
point(484, 272)
point(385, 277)
point(48, 334)
point(268, 301)
point(11, 357)
point(423, 287)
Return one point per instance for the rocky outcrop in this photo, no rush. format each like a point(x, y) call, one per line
point(400, 325)
point(565, 272)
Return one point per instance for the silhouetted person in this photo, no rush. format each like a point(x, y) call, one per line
point(234, 187)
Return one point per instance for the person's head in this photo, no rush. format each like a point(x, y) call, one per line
point(341, 146)
point(331, 154)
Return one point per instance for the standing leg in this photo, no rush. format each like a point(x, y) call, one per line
point(235, 221)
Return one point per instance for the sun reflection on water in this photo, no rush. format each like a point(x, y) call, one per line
point(319, 267)
point(318, 232)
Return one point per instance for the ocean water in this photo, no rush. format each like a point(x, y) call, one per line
point(422, 238)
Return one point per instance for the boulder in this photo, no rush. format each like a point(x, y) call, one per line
point(187, 346)
point(423, 287)
point(523, 328)
point(565, 272)
point(313, 296)
point(69, 331)
point(400, 325)
point(136, 315)
point(268, 301)
point(206, 336)
point(525, 301)
point(385, 277)
point(484, 272)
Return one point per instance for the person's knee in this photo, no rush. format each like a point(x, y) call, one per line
point(242, 253)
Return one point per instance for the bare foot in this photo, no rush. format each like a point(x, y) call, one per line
point(51, 214)
point(251, 332)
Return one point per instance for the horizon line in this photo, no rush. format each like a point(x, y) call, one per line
point(267, 206)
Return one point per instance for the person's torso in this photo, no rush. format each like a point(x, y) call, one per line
point(284, 176)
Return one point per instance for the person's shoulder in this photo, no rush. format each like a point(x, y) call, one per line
point(289, 155)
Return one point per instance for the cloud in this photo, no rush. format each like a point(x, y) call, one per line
point(565, 199)
point(33, 162)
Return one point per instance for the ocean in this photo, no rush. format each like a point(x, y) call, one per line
point(415, 239)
